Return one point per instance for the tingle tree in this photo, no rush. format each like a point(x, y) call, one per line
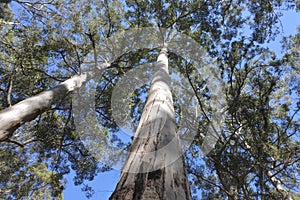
point(155, 167)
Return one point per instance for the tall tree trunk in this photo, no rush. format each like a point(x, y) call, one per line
point(155, 167)
point(13, 117)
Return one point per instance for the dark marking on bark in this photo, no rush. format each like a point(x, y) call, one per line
point(186, 182)
point(139, 183)
point(139, 186)
point(123, 182)
point(176, 180)
point(163, 178)
point(155, 174)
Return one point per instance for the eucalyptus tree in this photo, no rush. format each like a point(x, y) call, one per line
point(152, 170)
point(42, 47)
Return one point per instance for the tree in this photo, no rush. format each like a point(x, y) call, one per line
point(28, 109)
point(161, 173)
point(35, 59)
point(256, 155)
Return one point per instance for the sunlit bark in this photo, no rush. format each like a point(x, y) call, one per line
point(13, 117)
point(155, 168)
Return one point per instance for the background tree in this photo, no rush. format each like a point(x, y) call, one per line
point(36, 58)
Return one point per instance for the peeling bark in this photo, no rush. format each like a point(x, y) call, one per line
point(154, 169)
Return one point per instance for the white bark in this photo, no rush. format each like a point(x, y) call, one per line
point(154, 168)
point(13, 117)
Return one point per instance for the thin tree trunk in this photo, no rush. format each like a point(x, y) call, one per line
point(13, 117)
point(155, 169)
point(9, 91)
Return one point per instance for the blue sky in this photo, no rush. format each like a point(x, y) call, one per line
point(105, 183)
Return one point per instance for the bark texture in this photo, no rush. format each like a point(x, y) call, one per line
point(154, 169)
point(13, 117)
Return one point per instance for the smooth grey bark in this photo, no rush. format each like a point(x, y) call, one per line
point(155, 169)
point(13, 117)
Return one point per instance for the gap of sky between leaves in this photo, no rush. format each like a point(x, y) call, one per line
point(105, 183)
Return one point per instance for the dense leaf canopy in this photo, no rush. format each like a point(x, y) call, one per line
point(44, 43)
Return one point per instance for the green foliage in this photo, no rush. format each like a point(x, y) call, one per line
point(44, 43)
point(5, 12)
point(26, 178)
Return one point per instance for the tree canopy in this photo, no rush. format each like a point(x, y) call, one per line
point(45, 43)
